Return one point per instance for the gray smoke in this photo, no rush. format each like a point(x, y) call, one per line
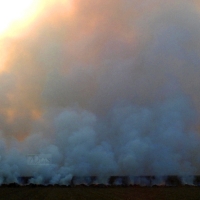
point(109, 90)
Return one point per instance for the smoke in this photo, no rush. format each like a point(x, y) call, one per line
point(105, 88)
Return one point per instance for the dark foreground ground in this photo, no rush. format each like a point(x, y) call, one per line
point(101, 193)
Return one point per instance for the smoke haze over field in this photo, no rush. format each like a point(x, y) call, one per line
point(105, 87)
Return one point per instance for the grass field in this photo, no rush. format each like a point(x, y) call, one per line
point(97, 193)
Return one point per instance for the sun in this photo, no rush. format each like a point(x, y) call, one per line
point(13, 12)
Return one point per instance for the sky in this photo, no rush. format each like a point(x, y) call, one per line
point(105, 87)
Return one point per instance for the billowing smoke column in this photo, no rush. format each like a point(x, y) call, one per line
point(105, 88)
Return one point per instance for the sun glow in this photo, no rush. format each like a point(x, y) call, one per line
point(17, 13)
point(13, 12)
point(19, 17)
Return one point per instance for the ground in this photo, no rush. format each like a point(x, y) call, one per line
point(100, 193)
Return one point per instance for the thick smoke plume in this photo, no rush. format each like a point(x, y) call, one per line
point(102, 88)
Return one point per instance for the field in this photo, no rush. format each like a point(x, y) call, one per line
point(99, 193)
